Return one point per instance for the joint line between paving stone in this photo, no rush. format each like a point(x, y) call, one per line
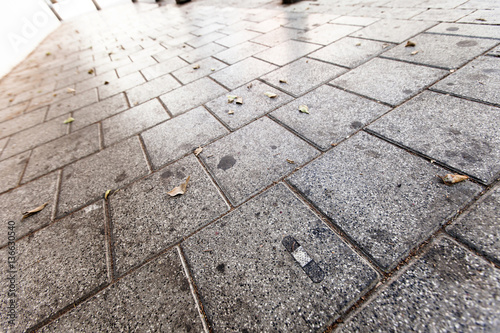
point(108, 231)
point(472, 99)
point(145, 154)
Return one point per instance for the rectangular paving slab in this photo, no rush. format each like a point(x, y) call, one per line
point(479, 227)
point(463, 134)
point(286, 52)
point(472, 30)
point(478, 80)
point(191, 95)
point(302, 75)
point(163, 68)
point(146, 220)
point(239, 52)
point(202, 52)
point(133, 121)
point(202, 68)
point(385, 199)
point(154, 298)
point(273, 265)
point(242, 72)
point(326, 33)
point(58, 153)
point(449, 289)
point(119, 85)
point(11, 170)
point(277, 36)
point(171, 140)
point(389, 81)
point(57, 266)
point(22, 122)
point(393, 31)
point(441, 50)
point(255, 104)
point(99, 111)
point(253, 157)
point(72, 103)
point(88, 179)
point(151, 89)
point(333, 115)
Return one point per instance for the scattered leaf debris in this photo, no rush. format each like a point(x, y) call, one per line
point(414, 52)
point(107, 194)
point(450, 179)
point(358, 44)
point(196, 66)
point(231, 98)
point(198, 151)
point(290, 161)
point(249, 85)
point(54, 95)
point(239, 100)
point(48, 53)
point(230, 112)
point(70, 90)
point(179, 190)
point(410, 44)
point(270, 94)
point(69, 120)
point(304, 109)
point(91, 71)
point(34, 211)
point(11, 100)
point(106, 83)
point(283, 81)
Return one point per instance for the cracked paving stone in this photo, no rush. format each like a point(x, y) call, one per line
point(58, 265)
point(253, 157)
point(240, 263)
point(448, 289)
point(433, 124)
point(146, 220)
point(398, 200)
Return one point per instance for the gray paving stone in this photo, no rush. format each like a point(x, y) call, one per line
point(479, 80)
point(237, 38)
point(255, 104)
point(27, 197)
point(163, 68)
point(495, 52)
point(387, 12)
point(43, 99)
point(88, 179)
point(3, 142)
point(240, 52)
point(240, 262)
point(34, 136)
point(440, 4)
point(248, 160)
point(202, 52)
point(151, 89)
point(119, 85)
point(333, 115)
point(205, 39)
point(101, 69)
point(433, 124)
point(355, 20)
point(135, 66)
point(207, 66)
point(481, 4)
point(95, 81)
point(389, 81)
point(22, 122)
point(11, 170)
point(483, 16)
point(13, 111)
point(439, 293)
point(191, 95)
point(327, 33)
point(267, 25)
point(242, 72)
point(208, 29)
point(306, 21)
point(479, 227)
point(98, 111)
point(442, 15)
point(146, 220)
point(57, 266)
point(172, 52)
point(72, 103)
point(133, 121)
point(441, 50)
point(397, 200)
point(277, 36)
point(171, 140)
point(286, 52)
point(350, 52)
point(312, 74)
point(393, 31)
point(463, 29)
point(58, 153)
point(134, 303)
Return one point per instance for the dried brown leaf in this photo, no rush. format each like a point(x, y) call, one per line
point(239, 100)
point(283, 81)
point(179, 190)
point(198, 151)
point(358, 44)
point(290, 161)
point(34, 211)
point(48, 53)
point(481, 19)
point(270, 94)
point(69, 120)
point(304, 109)
point(91, 71)
point(230, 112)
point(231, 98)
point(196, 66)
point(106, 83)
point(250, 85)
point(414, 52)
point(453, 178)
point(410, 44)
point(70, 90)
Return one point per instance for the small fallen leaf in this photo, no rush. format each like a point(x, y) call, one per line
point(452, 70)
point(358, 44)
point(239, 100)
point(34, 211)
point(270, 94)
point(304, 109)
point(410, 44)
point(91, 71)
point(11, 100)
point(249, 85)
point(290, 161)
point(107, 194)
point(212, 69)
point(70, 90)
point(414, 52)
point(385, 45)
point(198, 151)
point(48, 53)
point(136, 103)
point(69, 120)
point(231, 98)
point(481, 19)
point(55, 95)
point(196, 66)
point(230, 112)
point(179, 190)
point(283, 81)
point(453, 178)
point(106, 83)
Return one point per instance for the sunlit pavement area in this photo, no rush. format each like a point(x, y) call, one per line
point(308, 140)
